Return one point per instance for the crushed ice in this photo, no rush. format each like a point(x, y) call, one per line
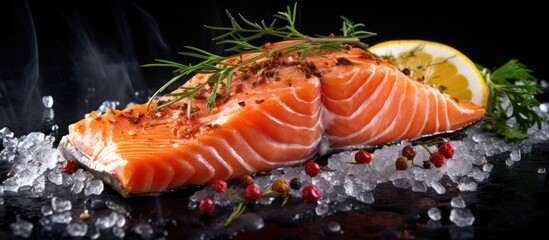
point(35, 170)
point(469, 167)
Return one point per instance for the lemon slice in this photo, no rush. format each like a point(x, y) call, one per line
point(437, 64)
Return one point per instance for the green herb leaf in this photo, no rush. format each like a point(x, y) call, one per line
point(511, 101)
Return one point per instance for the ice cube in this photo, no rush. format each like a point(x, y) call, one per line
point(61, 217)
point(10, 185)
point(541, 170)
point(402, 183)
point(60, 205)
point(47, 101)
point(106, 221)
point(351, 188)
point(467, 184)
point(333, 226)
point(94, 187)
point(55, 177)
point(77, 187)
point(487, 167)
point(438, 187)
point(144, 230)
point(77, 228)
point(457, 202)
point(118, 232)
point(48, 115)
point(322, 209)
point(462, 217)
point(46, 210)
point(6, 133)
point(21, 228)
point(434, 213)
point(366, 197)
point(419, 186)
point(515, 155)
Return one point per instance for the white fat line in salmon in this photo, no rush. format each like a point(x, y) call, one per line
point(393, 122)
point(414, 110)
point(359, 90)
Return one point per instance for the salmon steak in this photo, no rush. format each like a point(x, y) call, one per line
point(276, 112)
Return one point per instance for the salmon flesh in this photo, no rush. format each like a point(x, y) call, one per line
point(275, 113)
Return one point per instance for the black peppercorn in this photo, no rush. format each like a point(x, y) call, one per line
point(295, 183)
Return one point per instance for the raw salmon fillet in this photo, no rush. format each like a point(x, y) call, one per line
point(276, 113)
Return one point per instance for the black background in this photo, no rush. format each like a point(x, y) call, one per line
point(93, 50)
point(66, 48)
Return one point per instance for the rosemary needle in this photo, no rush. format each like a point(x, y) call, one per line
point(238, 37)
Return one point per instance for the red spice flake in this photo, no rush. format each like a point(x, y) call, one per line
point(365, 55)
point(70, 166)
point(260, 101)
point(343, 61)
point(255, 67)
point(133, 120)
point(239, 88)
point(242, 103)
point(270, 74)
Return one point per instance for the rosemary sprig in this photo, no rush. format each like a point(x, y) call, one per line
point(508, 100)
point(237, 37)
point(237, 209)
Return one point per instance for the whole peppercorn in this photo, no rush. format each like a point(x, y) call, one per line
point(409, 152)
point(311, 194)
point(312, 169)
point(401, 163)
point(295, 183)
point(206, 206)
point(426, 165)
point(437, 159)
point(280, 185)
point(446, 150)
point(252, 193)
point(219, 186)
point(363, 157)
point(246, 180)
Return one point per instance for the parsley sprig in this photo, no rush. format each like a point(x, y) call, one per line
point(511, 101)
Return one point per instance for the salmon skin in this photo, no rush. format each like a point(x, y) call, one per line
point(274, 114)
